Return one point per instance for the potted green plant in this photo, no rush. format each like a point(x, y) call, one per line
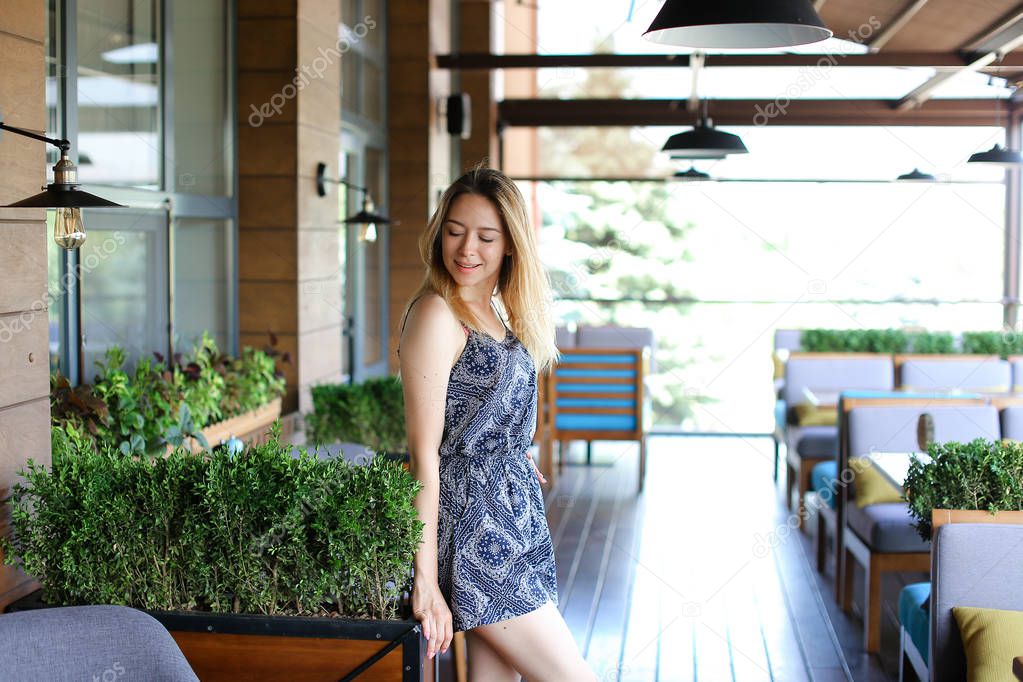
point(371, 413)
point(978, 476)
point(202, 399)
point(261, 564)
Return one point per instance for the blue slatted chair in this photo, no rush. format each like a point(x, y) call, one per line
point(597, 394)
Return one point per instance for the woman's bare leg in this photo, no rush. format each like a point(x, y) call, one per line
point(485, 665)
point(539, 646)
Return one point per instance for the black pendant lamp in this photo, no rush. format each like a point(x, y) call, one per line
point(367, 218)
point(704, 142)
point(691, 175)
point(916, 175)
point(998, 156)
point(63, 194)
point(737, 24)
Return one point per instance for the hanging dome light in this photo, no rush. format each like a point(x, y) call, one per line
point(916, 175)
point(737, 24)
point(998, 156)
point(691, 175)
point(704, 142)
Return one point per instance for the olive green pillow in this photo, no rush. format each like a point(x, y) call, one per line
point(871, 485)
point(991, 639)
point(812, 415)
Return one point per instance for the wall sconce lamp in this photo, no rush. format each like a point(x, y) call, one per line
point(367, 218)
point(63, 194)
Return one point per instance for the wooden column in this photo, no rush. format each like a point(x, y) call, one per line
point(418, 144)
point(289, 108)
point(476, 27)
point(24, 320)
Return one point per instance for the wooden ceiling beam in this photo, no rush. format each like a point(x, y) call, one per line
point(992, 45)
point(879, 40)
point(483, 61)
point(635, 112)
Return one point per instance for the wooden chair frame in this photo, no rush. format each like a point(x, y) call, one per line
point(639, 363)
point(850, 548)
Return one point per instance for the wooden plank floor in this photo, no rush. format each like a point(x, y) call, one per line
point(701, 577)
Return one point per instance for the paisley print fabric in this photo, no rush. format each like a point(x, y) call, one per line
point(495, 556)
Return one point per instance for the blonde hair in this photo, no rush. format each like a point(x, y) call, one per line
point(522, 282)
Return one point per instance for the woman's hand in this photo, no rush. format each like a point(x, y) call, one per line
point(529, 456)
point(430, 609)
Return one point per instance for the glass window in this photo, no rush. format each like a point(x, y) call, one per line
point(376, 267)
point(351, 76)
point(202, 85)
point(714, 268)
point(202, 292)
point(119, 92)
point(124, 284)
point(57, 293)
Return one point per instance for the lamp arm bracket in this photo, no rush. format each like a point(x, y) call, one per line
point(63, 145)
point(322, 179)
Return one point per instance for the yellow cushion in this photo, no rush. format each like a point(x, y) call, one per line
point(871, 485)
point(812, 415)
point(779, 366)
point(991, 638)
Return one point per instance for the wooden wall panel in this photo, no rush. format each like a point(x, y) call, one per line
point(22, 265)
point(24, 362)
point(268, 255)
point(420, 149)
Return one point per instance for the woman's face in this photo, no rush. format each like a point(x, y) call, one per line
point(473, 242)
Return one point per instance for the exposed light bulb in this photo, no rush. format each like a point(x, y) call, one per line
point(368, 232)
point(69, 230)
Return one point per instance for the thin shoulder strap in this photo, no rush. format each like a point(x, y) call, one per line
point(409, 310)
point(499, 315)
point(405, 318)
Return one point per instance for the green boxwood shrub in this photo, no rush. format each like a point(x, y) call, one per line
point(854, 341)
point(371, 413)
point(262, 532)
point(978, 475)
point(931, 343)
point(1002, 344)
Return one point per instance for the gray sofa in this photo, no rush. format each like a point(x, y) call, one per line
point(971, 565)
point(89, 643)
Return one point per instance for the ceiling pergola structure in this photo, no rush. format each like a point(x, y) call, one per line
point(951, 36)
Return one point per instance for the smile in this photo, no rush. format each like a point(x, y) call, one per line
point(467, 267)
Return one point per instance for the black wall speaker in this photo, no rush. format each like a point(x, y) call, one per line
point(459, 115)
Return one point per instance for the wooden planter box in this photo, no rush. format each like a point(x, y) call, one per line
point(250, 427)
point(939, 517)
point(232, 647)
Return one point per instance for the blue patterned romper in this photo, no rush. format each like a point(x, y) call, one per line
point(495, 556)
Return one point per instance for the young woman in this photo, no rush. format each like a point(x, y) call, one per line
point(486, 564)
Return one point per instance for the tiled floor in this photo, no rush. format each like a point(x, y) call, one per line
point(702, 577)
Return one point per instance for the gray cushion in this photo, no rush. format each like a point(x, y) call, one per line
point(1017, 374)
point(1012, 422)
point(610, 336)
point(972, 565)
point(89, 642)
point(836, 374)
point(886, 527)
point(794, 434)
point(788, 339)
point(893, 429)
point(564, 337)
point(818, 446)
point(960, 374)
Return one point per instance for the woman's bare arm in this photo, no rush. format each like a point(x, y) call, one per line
point(429, 345)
